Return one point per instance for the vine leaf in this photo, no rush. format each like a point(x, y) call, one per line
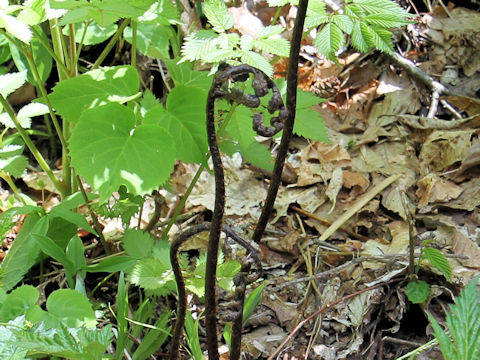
point(108, 150)
point(183, 118)
point(94, 88)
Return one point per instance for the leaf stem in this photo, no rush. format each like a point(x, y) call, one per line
point(133, 25)
point(33, 149)
point(110, 44)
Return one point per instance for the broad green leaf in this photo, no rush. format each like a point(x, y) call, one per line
point(137, 243)
point(418, 291)
point(184, 118)
point(276, 46)
point(256, 60)
point(329, 40)
point(94, 88)
point(8, 341)
point(114, 264)
point(75, 253)
point(71, 308)
point(24, 251)
point(118, 153)
point(438, 261)
point(14, 165)
point(161, 12)
point(240, 130)
point(217, 14)
point(252, 301)
point(104, 12)
point(72, 217)
point(41, 57)
point(18, 302)
point(95, 34)
point(11, 82)
point(183, 74)
point(152, 39)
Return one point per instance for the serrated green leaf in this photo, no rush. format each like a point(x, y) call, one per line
point(329, 40)
point(137, 243)
point(256, 60)
point(344, 22)
point(217, 14)
point(218, 55)
point(279, 46)
point(198, 44)
point(246, 42)
point(379, 6)
point(10, 150)
point(385, 20)
point(316, 14)
point(357, 39)
point(184, 118)
point(11, 82)
point(269, 31)
point(379, 38)
point(120, 153)
point(152, 39)
point(94, 88)
point(14, 165)
point(151, 274)
point(418, 291)
point(226, 272)
point(8, 341)
point(33, 12)
point(438, 261)
point(71, 308)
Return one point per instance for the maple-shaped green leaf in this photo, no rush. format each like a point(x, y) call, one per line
point(151, 274)
point(137, 243)
point(94, 88)
point(14, 165)
point(184, 118)
point(108, 150)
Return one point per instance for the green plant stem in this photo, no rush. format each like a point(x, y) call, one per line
point(56, 35)
point(133, 25)
point(80, 45)
point(277, 15)
point(182, 202)
point(110, 44)
point(291, 103)
point(73, 51)
point(47, 47)
point(8, 179)
point(96, 224)
point(33, 149)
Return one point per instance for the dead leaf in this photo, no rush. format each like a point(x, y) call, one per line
point(432, 188)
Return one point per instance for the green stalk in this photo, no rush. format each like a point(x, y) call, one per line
point(199, 172)
point(134, 43)
point(73, 52)
point(56, 35)
point(110, 44)
point(80, 45)
point(52, 53)
point(33, 149)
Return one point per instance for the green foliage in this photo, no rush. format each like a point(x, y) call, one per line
point(462, 340)
point(216, 45)
point(367, 22)
point(438, 261)
point(191, 329)
point(418, 291)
